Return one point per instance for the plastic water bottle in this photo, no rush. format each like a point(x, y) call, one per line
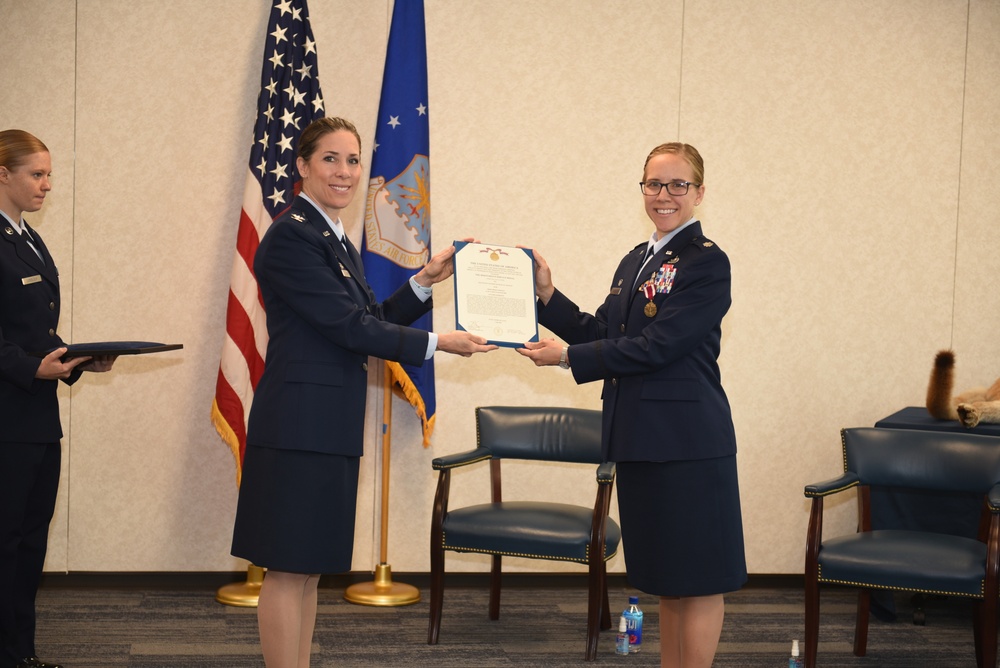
point(633, 616)
point(795, 661)
point(621, 640)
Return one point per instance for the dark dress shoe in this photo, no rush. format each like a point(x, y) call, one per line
point(35, 662)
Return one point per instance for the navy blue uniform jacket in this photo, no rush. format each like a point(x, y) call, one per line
point(29, 315)
point(322, 322)
point(663, 396)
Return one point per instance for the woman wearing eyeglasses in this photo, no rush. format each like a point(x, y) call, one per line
point(666, 422)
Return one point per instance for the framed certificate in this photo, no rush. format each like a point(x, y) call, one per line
point(495, 293)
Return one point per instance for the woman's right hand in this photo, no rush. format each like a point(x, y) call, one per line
point(463, 343)
point(543, 278)
point(53, 368)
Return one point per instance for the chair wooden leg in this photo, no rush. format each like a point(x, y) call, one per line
point(814, 537)
point(437, 555)
point(977, 631)
point(986, 652)
point(437, 596)
point(596, 595)
point(812, 618)
point(991, 597)
point(861, 624)
point(605, 608)
point(495, 577)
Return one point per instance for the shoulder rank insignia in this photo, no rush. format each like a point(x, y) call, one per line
point(708, 244)
point(299, 217)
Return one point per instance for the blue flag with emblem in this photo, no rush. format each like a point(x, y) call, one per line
point(397, 231)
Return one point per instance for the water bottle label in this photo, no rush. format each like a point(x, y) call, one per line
point(634, 623)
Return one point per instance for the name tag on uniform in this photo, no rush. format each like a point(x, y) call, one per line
point(28, 280)
point(616, 291)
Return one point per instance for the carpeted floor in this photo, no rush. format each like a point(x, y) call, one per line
point(100, 625)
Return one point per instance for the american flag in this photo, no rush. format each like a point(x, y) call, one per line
point(288, 101)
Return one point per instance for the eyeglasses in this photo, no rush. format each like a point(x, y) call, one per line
point(675, 188)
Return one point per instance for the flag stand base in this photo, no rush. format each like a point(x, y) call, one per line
point(382, 591)
point(242, 594)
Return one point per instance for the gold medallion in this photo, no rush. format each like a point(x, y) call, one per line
point(649, 309)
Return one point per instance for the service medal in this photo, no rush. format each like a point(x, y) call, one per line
point(649, 289)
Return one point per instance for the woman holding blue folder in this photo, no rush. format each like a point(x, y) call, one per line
point(30, 431)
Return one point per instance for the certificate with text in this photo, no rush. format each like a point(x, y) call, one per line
point(495, 293)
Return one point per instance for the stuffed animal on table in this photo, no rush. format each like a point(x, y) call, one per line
point(970, 408)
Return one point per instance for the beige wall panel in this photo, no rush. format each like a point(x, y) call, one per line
point(36, 75)
point(823, 127)
point(977, 302)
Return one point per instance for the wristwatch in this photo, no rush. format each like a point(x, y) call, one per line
point(564, 358)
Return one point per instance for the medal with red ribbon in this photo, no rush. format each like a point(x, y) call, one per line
point(649, 290)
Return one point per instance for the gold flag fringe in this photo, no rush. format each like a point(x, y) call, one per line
point(402, 380)
point(227, 434)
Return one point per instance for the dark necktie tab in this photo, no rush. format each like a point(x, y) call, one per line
point(31, 244)
point(353, 254)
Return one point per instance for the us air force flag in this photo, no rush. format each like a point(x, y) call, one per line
point(397, 235)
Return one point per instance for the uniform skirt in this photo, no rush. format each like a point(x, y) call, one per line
point(682, 528)
point(296, 510)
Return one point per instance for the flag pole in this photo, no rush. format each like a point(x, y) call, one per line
point(382, 591)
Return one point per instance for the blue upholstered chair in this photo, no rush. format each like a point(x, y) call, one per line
point(539, 530)
point(903, 560)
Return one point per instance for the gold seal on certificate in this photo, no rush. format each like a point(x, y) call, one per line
point(495, 293)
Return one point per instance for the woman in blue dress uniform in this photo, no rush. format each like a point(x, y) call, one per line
point(666, 419)
point(296, 508)
point(30, 432)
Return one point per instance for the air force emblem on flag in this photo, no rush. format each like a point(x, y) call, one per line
point(398, 215)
